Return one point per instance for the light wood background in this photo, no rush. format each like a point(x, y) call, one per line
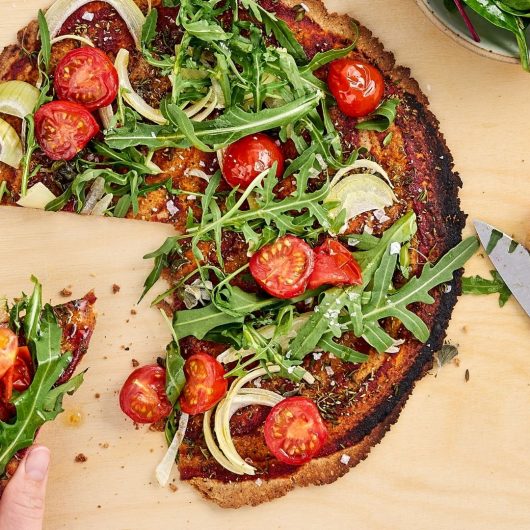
point(459, 456)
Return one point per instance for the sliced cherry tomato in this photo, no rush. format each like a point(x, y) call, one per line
point(205, 384)
point(64, 128)
point(88, 77)
point(8, 350)
point(143, 396)
point(294, 430)
point(283, 268)
point(245, 159)
point(23, 369)
point(357, 86)
point(334, 265)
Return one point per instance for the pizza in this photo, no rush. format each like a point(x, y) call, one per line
point(40, 348)
point(317, 250)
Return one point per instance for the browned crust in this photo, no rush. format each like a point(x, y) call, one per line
point(327, 469)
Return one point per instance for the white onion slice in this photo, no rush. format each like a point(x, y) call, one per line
point(10, 145)
point(130, 96)
point(102, 205)
point(163, 470)
point(18, 98)
point(96, 192)
point(127, 9)
point(361, 164)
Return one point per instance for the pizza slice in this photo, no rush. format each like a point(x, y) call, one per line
point(40, 348)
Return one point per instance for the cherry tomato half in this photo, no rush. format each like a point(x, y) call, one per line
point(283, 268)
point(334, 265)
point(143, 396)
point(205, 384)
point(88, 77)
point(8, 350)
point(357, 86)
point(23, 369)
point(294, 430)
point(64, 128)
point(245, 159)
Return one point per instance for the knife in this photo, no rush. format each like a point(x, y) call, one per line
point(511, 259)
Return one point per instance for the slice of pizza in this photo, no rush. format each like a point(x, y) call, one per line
point(317, 252)
point(40, 348)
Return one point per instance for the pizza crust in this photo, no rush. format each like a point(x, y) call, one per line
point(327, 469)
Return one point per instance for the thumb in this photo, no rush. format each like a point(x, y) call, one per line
point(22, 504)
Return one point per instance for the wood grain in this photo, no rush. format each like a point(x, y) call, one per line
point(457, 458)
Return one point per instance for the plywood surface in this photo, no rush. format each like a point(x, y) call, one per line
point(459, 456)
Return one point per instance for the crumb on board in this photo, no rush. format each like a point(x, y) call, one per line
point(135, 363)
point(80, 458)
point(66, 291)
point(134, 312)
point(104, 445)
point(97, 395)
point(115, 288)
point(466, 376)
point(173, 487)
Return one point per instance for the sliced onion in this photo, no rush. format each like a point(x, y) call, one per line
point(361, 164)
point(96, 192)
point(71, 36)
point(18, 98)
point(10, 145)
point(131, 14)
point(194, 172)
point(106, 114)
point(163, 470)
point(102, 205)
point(38, 196)
point(130, 96)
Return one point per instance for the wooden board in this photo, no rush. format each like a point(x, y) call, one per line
point(458, 457)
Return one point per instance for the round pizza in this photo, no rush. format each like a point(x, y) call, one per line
point(317, 250)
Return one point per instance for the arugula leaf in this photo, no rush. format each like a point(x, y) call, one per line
point(417, 290)
point(175, 378)
point(382, 118)
point(477, 285)
point(322, 58)
point(199, 322)
point(149, 28)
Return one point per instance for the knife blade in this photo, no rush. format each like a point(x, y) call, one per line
point(511, 259)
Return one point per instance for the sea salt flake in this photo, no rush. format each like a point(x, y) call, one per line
point(171, 208)
point(345, 459)
point(395, 248)
point(88, 16)
point(317, 355)
point(259, 482)
point(329, 370)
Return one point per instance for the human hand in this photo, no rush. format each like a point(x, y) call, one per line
point(22, 504)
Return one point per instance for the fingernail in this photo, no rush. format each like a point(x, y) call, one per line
point(37, 463)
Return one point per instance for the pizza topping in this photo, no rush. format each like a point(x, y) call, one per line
point(8, 350)
point(245, 159)
point(205, 384)
point(10, 145)
point(143, 396)
point(38, 197)
point(18, 98)
point(357, 86)
point(86, 76)
point(334, 265)
point(163, 470)
point(284, 267)
point(61, 10)
point(294, 431)
point(64, 128)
